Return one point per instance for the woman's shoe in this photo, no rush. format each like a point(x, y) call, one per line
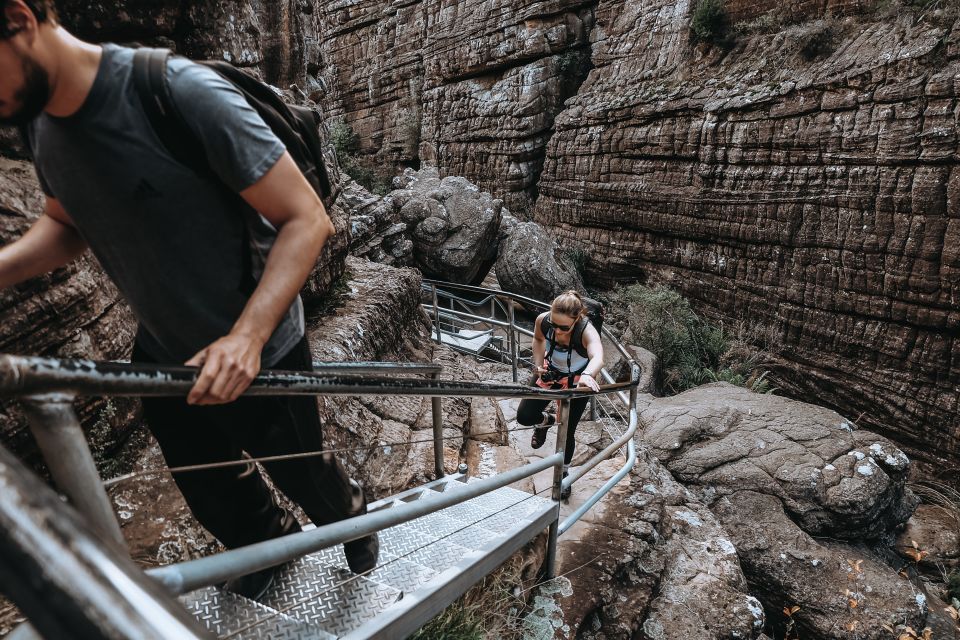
point(539, 435)
point(565, 493)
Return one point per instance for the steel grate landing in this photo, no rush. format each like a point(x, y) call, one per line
point(424, 565)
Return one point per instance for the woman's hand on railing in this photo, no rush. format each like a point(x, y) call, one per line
point(586, 380)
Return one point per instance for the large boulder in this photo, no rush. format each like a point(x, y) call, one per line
point(799, 489)
point(832, 478)
point(447, 228)
point(840, 593)
point(531, 264)
point(452, 224)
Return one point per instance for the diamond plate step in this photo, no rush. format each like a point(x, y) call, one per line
point(424, 565)
point(328, 597)
point(226, 614)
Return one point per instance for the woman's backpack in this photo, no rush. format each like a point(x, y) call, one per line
point(594, 316)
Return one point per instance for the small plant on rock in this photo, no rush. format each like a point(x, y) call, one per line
point(691, 351)
point(709, 22)
point(346, 143)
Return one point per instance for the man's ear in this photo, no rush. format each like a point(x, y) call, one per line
point(20, 20)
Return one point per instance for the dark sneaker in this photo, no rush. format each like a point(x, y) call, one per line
point(539, 435)
point(254, 585)
point(362, 553)
point(565, 493)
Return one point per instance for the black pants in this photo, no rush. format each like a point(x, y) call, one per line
point(530, 413)
point(234, 503)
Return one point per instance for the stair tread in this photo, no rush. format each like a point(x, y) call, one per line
point(318, 597)
point(329, 597)
point(227, 614)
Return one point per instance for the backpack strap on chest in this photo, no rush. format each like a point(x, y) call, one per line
point(576, 338)
point(150, 81)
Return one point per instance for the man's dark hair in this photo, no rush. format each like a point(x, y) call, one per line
point(44, 10)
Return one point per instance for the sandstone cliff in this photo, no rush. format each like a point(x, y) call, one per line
point(804, 179)
point(813, 190)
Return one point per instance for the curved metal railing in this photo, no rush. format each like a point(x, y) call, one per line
point(503, 317)
point(48, 387)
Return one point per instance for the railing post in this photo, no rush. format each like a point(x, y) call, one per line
point(562, 425)
point(593, 408)
point(512, 340)
point(436, 311)
point(437, 410)
point(64, 448)
point(69, 584)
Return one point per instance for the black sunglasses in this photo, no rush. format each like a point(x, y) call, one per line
point(560, 327)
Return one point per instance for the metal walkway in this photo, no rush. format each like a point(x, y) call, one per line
point(66, 565)
point(423, 563)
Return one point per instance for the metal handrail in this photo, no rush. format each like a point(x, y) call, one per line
point(193, 574)
point(628, 399)
point(33, 376)
point(54, 559)
point(626, 438)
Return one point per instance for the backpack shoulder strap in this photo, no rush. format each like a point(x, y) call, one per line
point(545, 324)
point(577, 338)
point(150, 81)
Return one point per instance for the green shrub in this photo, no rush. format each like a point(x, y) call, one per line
point(577, 258)
point(457, 622)
point(709, 22)
point(346, 143)
point(691, 351)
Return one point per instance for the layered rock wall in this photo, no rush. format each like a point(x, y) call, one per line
point(813, 189)
point(805, 179)
point(471, 87)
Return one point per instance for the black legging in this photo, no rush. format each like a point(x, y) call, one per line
point(530, 413)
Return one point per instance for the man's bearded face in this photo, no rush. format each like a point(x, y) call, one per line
point(24, 87)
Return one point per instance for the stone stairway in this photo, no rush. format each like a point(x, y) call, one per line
point(424, 565)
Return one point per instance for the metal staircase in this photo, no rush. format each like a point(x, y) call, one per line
point(69, 572)
point(423, 564)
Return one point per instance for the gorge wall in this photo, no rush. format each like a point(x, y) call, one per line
point(804, 177)
point(812, 189)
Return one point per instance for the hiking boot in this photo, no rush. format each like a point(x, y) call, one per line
point(253, 585)
point(362, 553)
point(539, 435)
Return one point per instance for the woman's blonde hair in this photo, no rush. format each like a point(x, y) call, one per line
point(569, 303)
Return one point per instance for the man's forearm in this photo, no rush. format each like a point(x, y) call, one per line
point(291, 259)
point(47, 245)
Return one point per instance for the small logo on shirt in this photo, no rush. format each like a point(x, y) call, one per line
point(145, 191)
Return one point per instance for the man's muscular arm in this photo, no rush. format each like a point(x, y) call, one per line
point(50, 243)
point(284, 197)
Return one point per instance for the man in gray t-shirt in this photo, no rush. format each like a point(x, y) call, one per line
point(214, 283)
